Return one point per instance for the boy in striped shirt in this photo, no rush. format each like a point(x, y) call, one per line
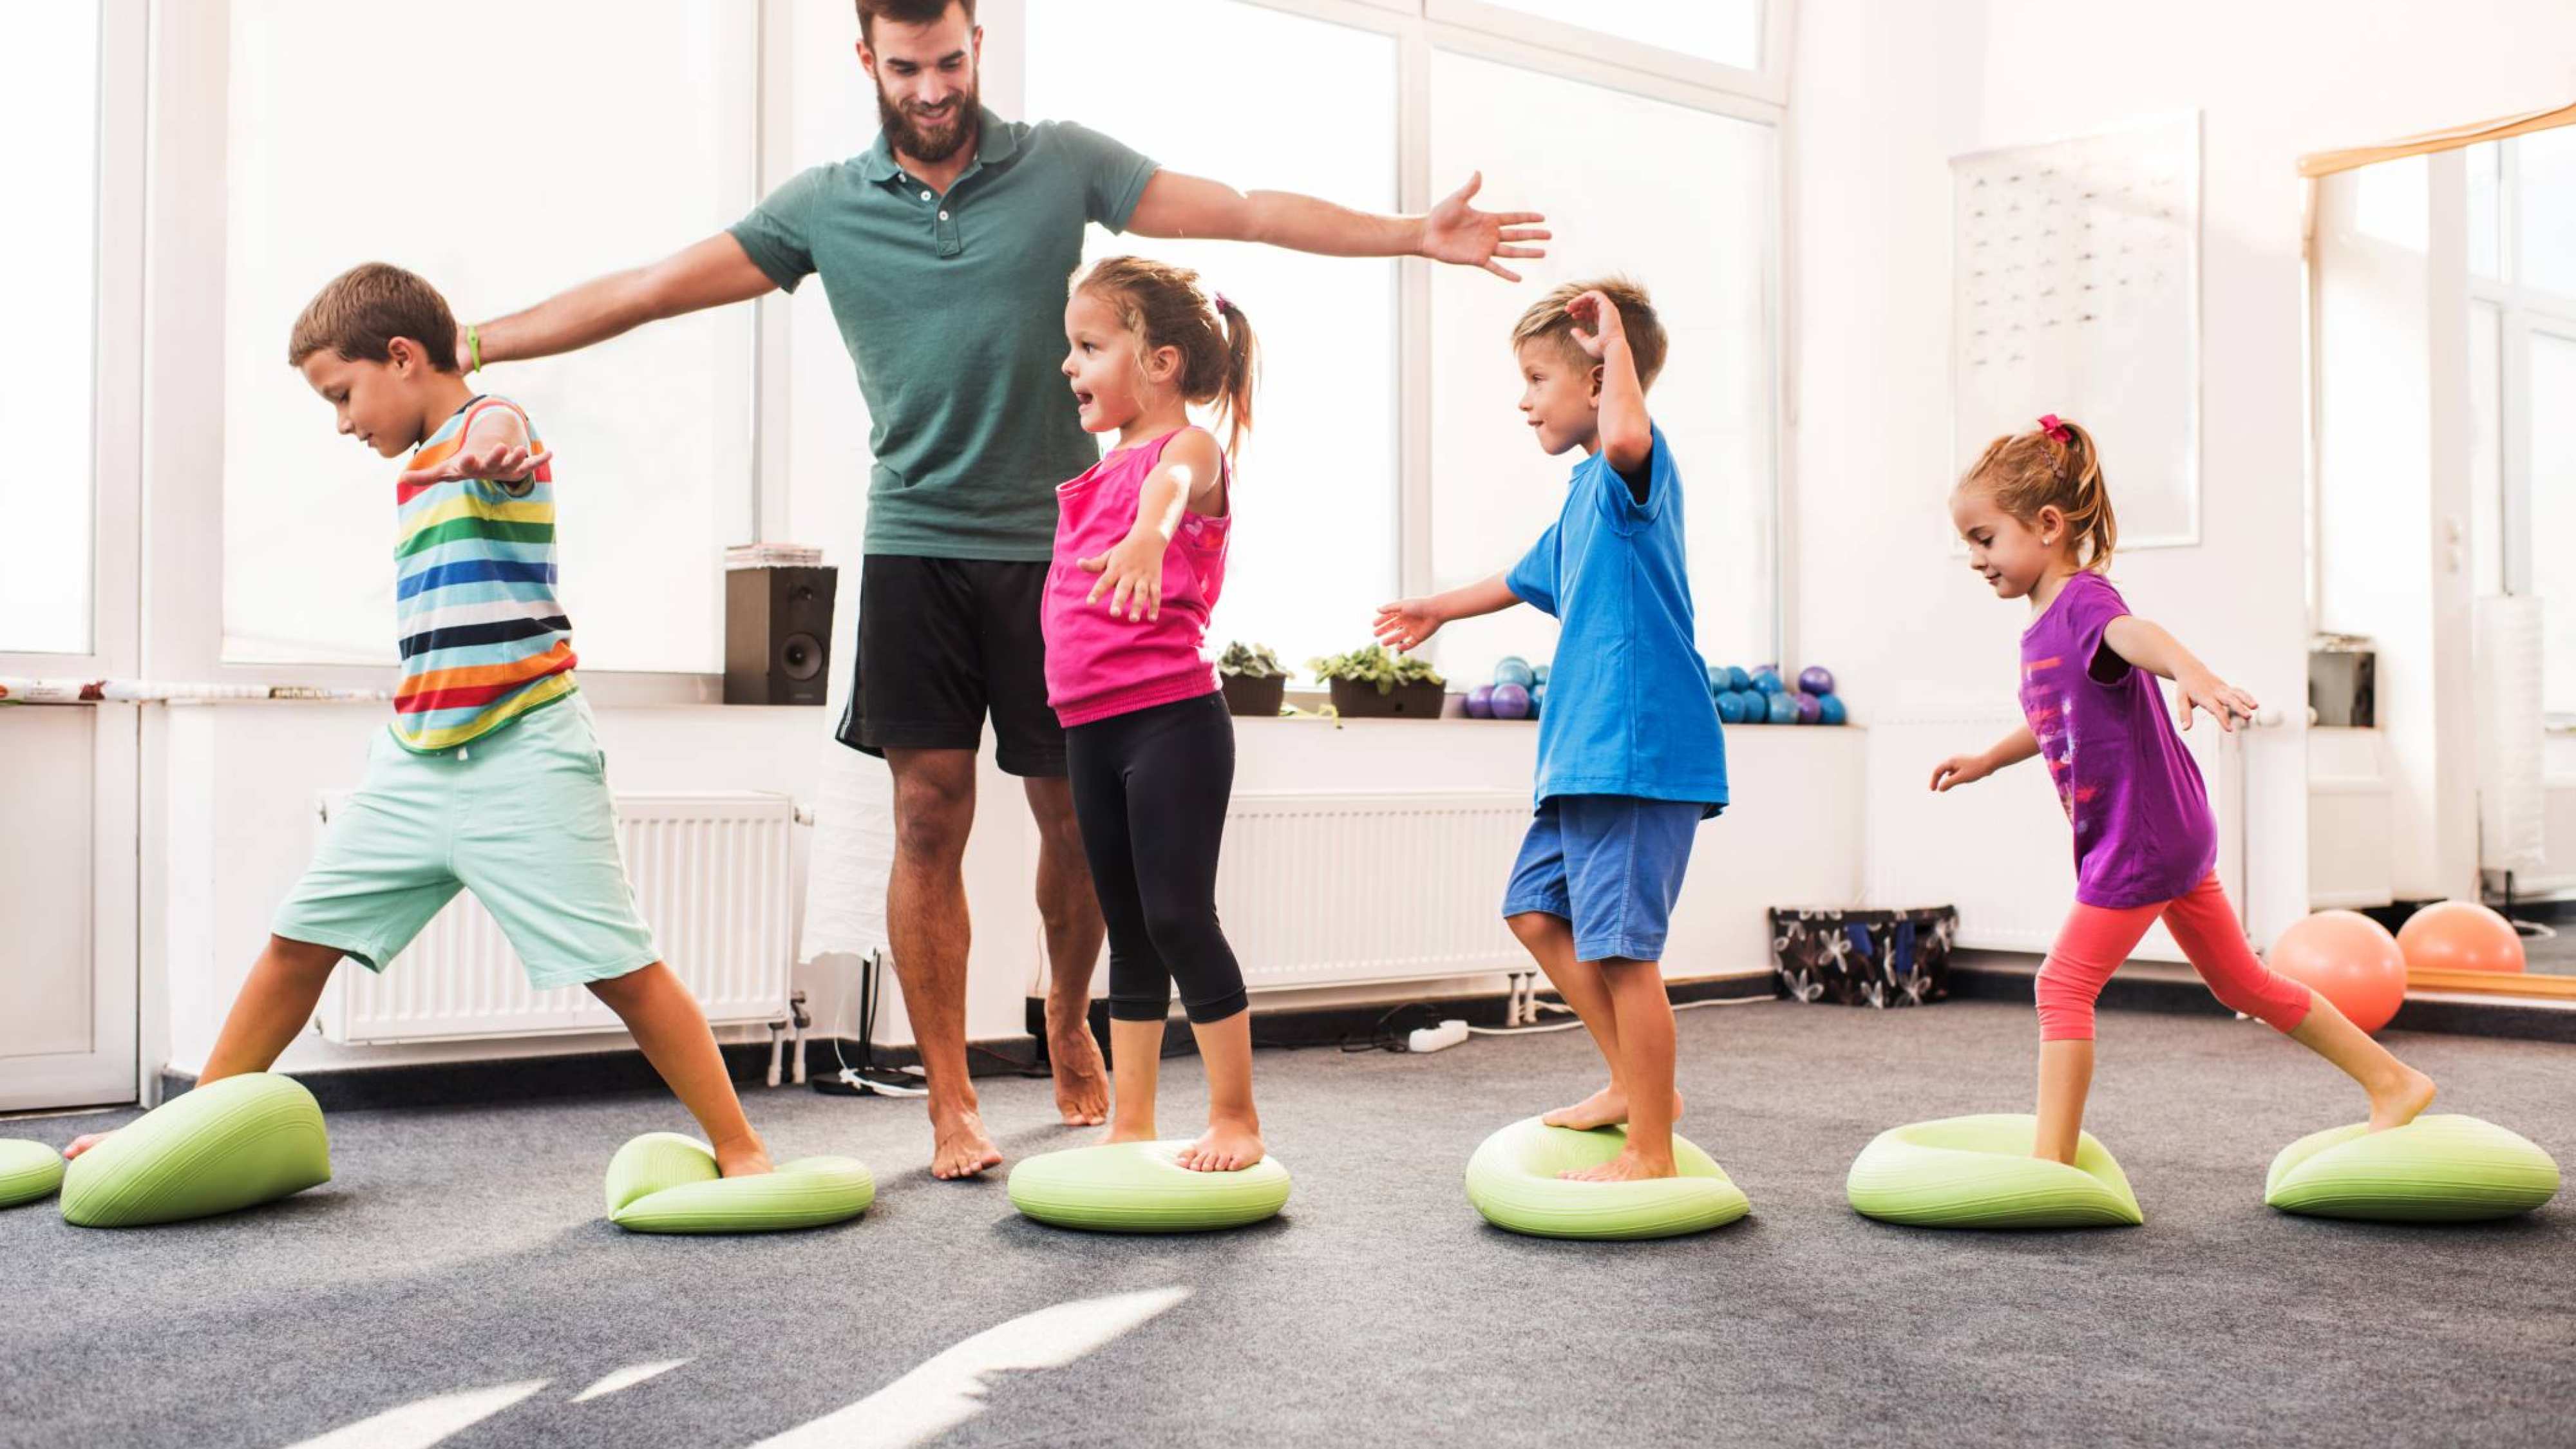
point(490, 777)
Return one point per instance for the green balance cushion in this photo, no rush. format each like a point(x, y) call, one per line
point(218, 1148)
point(1141, 1187)
point(28, 1170)
point(1977, 1172)
point(1514, 1181)
point(2439, 1169)
point(663, 1182)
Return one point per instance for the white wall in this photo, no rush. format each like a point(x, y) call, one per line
point(1883, 96)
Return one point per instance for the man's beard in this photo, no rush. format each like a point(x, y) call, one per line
point(909, 139)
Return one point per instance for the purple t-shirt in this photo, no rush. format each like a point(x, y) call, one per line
point(2143, 831)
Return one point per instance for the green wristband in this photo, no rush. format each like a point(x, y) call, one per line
point(474, 349)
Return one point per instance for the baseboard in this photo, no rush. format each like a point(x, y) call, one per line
point(2177, 990)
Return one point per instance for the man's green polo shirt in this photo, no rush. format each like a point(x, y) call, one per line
point(953, 310)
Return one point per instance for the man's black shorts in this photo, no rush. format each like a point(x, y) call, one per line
point(943, 642)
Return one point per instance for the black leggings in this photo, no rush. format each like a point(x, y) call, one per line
point(1150, 789)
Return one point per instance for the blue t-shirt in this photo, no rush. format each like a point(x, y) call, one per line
point(1628, 709)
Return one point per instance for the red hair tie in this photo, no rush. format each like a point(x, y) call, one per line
point(2058, 432)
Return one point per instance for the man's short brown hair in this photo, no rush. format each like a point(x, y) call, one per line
point(905, 12)
point(359, 313)
point(1547, 318)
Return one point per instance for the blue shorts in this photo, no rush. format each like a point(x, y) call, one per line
point(1611, 865)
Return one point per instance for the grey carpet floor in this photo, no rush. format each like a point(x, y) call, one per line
point(462, 1249)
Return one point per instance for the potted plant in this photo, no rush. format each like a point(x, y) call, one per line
point(1371, 681)
point(1255, 684)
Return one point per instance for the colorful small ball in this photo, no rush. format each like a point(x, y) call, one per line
point(1783, 709)
point(1540, 673)
point(1480, 702)
point(1768, 681)
point(1816, 679)
point(1515, 670)
point(1809, 709)
point(1511, 701)
point(1730, 707)
point(1737, 679)
point(1832, 709)
point(1538, 698)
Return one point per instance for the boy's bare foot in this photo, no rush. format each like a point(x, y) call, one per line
point(1630, 1165)
point(1605, 1108)
point(960, 1148)
point(1227, 1147)
point(1081, 1079)
point(1127, 1132)
point(2400, 1101)
point(84, 1143)
point(744, 1157)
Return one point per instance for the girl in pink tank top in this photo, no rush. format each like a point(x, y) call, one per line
point(1140, 545)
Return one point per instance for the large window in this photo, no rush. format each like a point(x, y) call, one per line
point(626, 141)
point(1603, 164)
point(2522, 383)
point(49, 172)
point(1315, 550)
point(1383, 468)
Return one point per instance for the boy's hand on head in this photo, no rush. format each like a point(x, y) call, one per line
point(1596, 323)
point(1132, 575)
point(499, 461)
point(1959, 770)
point(1404, 625)
point(2224, 701)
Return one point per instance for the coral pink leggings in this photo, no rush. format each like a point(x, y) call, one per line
point(2095, 940)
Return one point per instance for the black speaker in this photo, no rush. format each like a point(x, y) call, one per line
point(778, 635)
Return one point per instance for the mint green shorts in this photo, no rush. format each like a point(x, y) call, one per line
point(522, 818)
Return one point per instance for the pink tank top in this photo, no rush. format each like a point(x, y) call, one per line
point(1098, 666)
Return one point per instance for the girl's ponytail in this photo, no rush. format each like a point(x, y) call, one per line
point(2088, 509)
point(1242, 363)
point(1162, 305)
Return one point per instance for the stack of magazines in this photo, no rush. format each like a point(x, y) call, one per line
point(772, 556)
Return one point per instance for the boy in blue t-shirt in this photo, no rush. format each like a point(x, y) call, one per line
point(1629, 755)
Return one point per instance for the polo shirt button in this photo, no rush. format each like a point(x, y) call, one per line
point(943, 216)
point(925, 196)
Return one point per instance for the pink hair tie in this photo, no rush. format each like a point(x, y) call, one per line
point(2057, 431)
point(1222, 304)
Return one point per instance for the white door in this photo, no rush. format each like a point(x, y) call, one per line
point(69, 553)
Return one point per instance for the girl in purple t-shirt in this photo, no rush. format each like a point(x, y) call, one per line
point(2037, 518)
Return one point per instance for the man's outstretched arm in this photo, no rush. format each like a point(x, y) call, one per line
point(1177, 206)
point(710, 274)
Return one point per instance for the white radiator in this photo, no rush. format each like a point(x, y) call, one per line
point(2557, 872)
point(1342, 889)
point(714, 877)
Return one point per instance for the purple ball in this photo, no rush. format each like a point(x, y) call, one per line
point(1511, 702)
point(1480, 702)
point(1816, 679)
point(1810, 709)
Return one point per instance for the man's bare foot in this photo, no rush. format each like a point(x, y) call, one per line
point(743, 1157)
point(1226, 1147)
point(84, 1143)
point(1081, 1078)
point(1630, 1165)
point(2400, 1101)
point(1605, 1108)
point(960, 1148)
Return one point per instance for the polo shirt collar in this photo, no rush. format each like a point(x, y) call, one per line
point(995, 142)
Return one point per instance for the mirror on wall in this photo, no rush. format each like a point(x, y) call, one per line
point(2442, 542)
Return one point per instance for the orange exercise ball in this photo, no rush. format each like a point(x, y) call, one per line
point(2459, 936)
point(2350, 960)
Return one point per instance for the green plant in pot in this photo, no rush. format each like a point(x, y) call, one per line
point(1371, 681)
point(1255, 684)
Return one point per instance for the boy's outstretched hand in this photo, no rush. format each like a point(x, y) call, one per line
point(1405, 624)
point(1596, 323)
point(499, 461)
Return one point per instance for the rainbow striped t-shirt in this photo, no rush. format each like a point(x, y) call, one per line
point(484, 640)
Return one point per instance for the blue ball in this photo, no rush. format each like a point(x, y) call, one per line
point(1784, 709)
point(1538, 697)
point(1717, 680)
point(1768, 681)
point(1541, 671)
point(1480, 702)
point(1515, 670)
point(1737, 679)
point(1511, 701)
point(1831, 706)
point(1730, 707)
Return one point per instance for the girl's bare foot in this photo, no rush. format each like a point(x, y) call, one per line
point(1605, 1108)
point(1227, 1147)
point(743, 1157)
point(84, 1143)
point(1125, 1131)
point(1631, 1165)
point(2399, 1102)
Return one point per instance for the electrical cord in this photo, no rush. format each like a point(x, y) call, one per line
point(1386, 1036)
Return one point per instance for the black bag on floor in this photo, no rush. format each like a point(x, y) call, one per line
point(1864, 958)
